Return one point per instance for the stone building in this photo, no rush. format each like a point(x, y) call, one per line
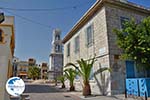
point(93, 35)
point(22, 69)
point(56, 56)
point(32, 62)
point(15, 65)
point(44, 70)
point(7, 45)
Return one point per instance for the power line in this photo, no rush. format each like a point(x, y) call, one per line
point(35, 22)
point(46, 9)
point(52, 9)
point(29, 20)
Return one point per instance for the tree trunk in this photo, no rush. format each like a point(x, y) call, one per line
point(72, 88)
point(33, 78)
point(86, 89)
point(63, 85)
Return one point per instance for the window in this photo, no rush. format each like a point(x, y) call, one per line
point(57, 37)
point(1, 36)
point(57, 48)
point(20, 69)
point(77, 44)
point(89, 35)
point(91, 74)
point(122, 21)
point(44, 71)
point(116, 57)
point(68, 49)
point(77, 76)
point(24, 70)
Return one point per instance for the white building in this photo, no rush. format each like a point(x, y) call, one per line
point(93, 35)
point(56, 56)
point(7, 45)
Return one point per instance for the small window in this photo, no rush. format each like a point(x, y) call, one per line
point(77, 44)
point(116, 57)
point(57, 48)
point(77, 76)
point(89, 35)
point(122, 21)
point(21, 69)
point(68, 49)
point(57, 37)
point(91, 74)
point(138, 21)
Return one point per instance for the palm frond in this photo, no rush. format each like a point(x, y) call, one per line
point(62, 78)
point(101, 70)
point(70, 74)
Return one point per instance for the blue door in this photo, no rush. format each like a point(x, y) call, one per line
point(130, 71)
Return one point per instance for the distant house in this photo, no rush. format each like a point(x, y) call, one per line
point(93, 35)
point(22, 69)
point(44, 70)
point(32, 62)
point(7, 46)
point(15, 65)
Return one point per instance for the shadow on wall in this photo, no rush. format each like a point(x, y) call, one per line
point(103, 83)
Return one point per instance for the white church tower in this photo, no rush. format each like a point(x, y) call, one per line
point(56, 56)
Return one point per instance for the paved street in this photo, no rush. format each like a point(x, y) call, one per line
point(49, 92)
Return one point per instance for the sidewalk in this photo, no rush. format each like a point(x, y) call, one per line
point(100, 97)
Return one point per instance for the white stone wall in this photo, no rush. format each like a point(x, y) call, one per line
point(99, 47)
point(9, 20)
point(5, 56)
point(105, 48)
point(100, 40)
point(113, 14)
point(3, 75)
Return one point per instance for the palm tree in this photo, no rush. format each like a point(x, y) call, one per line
point(34, 72)
point(70, 75)
point(84, 70)
point(62, 80)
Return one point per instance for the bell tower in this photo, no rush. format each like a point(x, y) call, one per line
point(57, 42)
point(56, 56)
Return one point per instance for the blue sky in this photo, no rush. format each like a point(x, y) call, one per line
point(33, 29)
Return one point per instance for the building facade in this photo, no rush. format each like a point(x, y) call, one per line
point(56, 56)
point(15, 65)
point(32, 62)
point(22, 69)
point(7, 45)
point(93, 35)
point(44, 70)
